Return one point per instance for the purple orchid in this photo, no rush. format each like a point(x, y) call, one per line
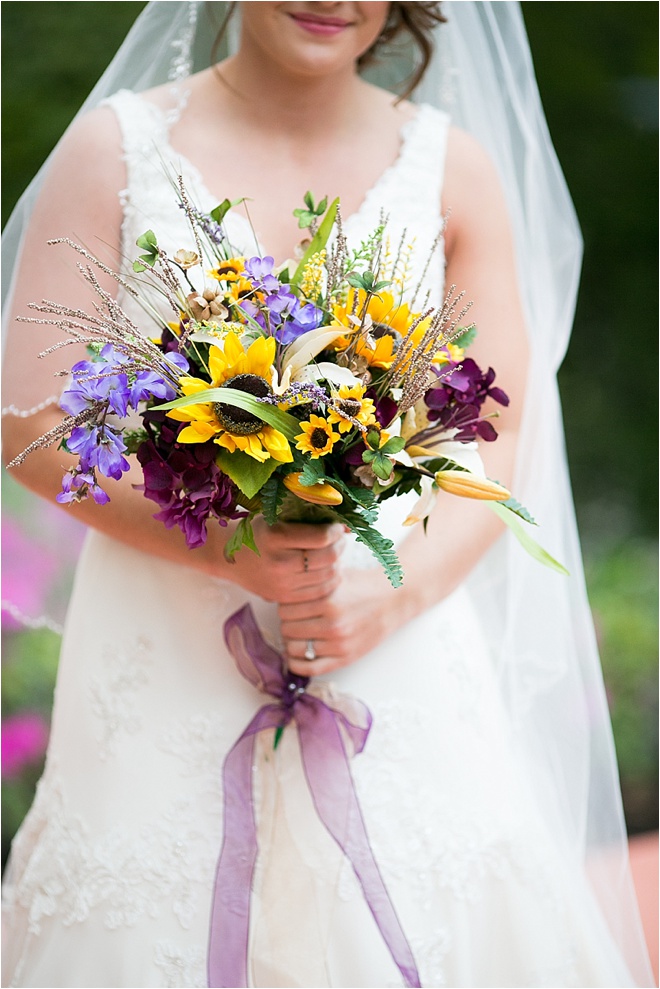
point(455, 404)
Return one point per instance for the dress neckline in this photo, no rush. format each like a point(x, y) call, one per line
point(407, 134)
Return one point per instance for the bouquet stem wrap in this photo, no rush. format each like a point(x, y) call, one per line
point(325, 734)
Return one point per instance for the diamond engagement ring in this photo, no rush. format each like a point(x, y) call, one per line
point(310, 651)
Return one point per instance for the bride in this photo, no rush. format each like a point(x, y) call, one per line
point(486, 783)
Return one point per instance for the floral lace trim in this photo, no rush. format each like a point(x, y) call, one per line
point(59, 869)
point(114, 697)
point(181, 966)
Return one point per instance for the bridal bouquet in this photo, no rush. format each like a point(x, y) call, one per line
point(309, 390)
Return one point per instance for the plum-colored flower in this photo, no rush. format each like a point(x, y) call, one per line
point(24, 741)
point(457, 400)
point(187, 485)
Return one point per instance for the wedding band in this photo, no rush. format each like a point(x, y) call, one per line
point(305, 563)
point(310, 651)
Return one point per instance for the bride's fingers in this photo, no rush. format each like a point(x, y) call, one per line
point(305, 593)
point(314, 667)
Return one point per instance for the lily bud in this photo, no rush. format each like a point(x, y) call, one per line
point(320, 493)
point(468, 485)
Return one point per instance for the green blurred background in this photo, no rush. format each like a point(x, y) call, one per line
point(597, 67)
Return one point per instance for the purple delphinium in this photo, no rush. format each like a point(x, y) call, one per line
point(99, 446)
point(260, 273)
point(77, 485)
point(285, 317)
point(457, 401)
point(107, 386)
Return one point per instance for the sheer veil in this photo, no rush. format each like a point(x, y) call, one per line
point(539, 622)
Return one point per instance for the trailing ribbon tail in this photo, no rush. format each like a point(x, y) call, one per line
point(322, 732)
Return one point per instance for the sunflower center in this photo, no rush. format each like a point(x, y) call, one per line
point(383, 330)
point(318, 438)
point(240, 421)
point(350, 406)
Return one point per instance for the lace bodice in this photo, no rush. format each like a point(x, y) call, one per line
point(408, 192)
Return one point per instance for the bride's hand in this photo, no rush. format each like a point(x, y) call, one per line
point(297, 563)
point(342, 626)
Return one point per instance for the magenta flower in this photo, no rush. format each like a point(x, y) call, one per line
point(27, 572)
point(24, 741)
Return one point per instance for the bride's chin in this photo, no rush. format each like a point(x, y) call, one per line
point(293, 45)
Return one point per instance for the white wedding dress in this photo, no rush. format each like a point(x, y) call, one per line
point(111, 875)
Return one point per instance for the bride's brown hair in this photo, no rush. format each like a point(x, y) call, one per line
point(414, 19)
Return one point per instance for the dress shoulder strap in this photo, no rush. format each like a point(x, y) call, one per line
point(142, 124)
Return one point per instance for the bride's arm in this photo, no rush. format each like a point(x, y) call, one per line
point(80, 200)
point(480, 259)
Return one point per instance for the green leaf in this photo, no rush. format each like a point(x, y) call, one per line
point(518, 509)
point(322, 206)
point(319, 240)
point(382, 466)
point(312, 473)
point(526, 541)
point(248, 474)
point(464, 336)
point(356, 281)
point(393, 445)
point(399, 485)
point(381, 547)
point(279, 731)
point(368, 456)
point(304, 218)
point(219, 213)
point(272, 495)
point(241, 536)
point(442, 463)
point(308, 200)
point(147, 242)
point(286, 423)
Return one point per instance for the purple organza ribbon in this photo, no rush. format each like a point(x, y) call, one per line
point(321, 732)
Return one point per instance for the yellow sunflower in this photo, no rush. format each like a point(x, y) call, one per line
point(229, 270)
point(351, 402)
point(317, 437)
point(391, 321)
point(382, 308)
point(231, 366)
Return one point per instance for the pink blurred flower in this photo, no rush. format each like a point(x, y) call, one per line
point(24, 741)
point(27, 572)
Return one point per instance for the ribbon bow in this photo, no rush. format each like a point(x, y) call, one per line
point(323, 732)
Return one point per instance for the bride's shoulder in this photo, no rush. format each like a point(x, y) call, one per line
point(469, 170)
point(466, 156)
point(472, 192)
point(93, 139)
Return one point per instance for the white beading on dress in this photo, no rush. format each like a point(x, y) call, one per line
point(111, 875)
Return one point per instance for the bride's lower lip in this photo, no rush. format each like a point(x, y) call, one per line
point(319, 25)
